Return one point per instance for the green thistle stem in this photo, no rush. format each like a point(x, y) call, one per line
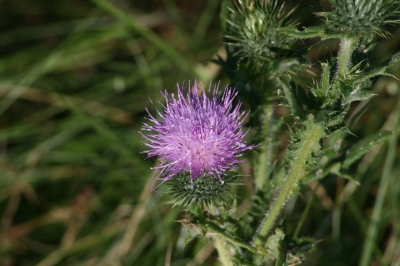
point(298, 171)
point(223, 251)
point(263, 163)
point(344, 56)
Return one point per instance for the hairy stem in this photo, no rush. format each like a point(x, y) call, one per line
point(344, 56)
point(223, 251)
point(263, 164)
point(297, 172)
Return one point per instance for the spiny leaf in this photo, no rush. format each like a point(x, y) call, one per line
point(298, 248)
point(192, 230)
point(359, 95)
point(363, 146)
point(306, 33)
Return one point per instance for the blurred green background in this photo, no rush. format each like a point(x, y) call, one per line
point(75, 79)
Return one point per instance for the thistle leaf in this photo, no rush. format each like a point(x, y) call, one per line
point(363, 146)
point(359, 95)
point(306, 33)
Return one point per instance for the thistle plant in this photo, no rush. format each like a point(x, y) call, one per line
point(288, 155)
point(198, 137)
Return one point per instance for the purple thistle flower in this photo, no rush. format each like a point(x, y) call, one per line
point(198, 133)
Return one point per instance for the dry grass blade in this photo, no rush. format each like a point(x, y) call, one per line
point(118, 253)
point(93, 108)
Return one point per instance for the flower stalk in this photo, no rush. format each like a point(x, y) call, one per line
point(223, 251)
point(344, 57)
point(298, 171)
point(264, 159)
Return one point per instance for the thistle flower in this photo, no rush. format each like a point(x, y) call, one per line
point(198, 133)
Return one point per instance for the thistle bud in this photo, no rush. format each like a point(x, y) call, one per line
point(361, 17)
point(254, 29)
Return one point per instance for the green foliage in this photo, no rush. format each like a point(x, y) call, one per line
point(363, 146)
point(318, 110)
point(337, 159)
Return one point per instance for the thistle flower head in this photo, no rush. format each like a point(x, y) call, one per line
point(197, 133)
